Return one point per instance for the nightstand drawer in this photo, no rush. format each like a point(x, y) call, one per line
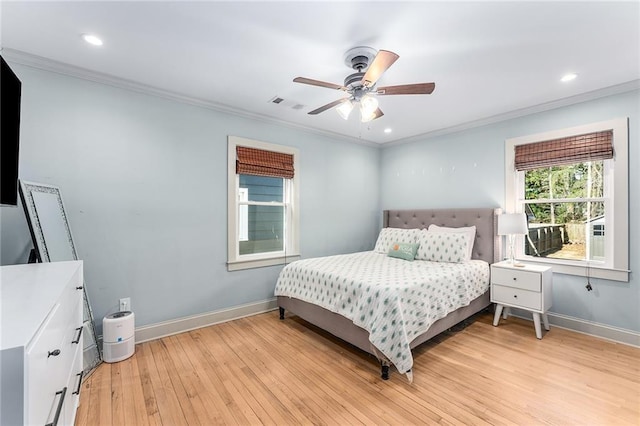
point(516, 278)
point(516, 297)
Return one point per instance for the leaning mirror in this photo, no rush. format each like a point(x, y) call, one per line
point(53, 242)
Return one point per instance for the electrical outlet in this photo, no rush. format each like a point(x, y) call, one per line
point(125, 304)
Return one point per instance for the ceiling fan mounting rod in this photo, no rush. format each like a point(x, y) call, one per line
point(359, 63)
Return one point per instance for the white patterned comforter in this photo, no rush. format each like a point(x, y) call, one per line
point(393, 299)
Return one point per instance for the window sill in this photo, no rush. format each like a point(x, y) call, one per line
point(238, 265)
point(581, 270)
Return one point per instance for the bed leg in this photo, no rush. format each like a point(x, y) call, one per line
point(384, 371)
point(281, 313)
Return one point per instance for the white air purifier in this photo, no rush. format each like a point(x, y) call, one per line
point(118, 336)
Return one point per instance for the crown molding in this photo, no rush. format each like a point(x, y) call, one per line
point(46, 64)
point(51, 65)
point(547, 106)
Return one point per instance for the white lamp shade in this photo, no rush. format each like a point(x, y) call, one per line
point(512, 224)
point(368, 107)
point(345, 109)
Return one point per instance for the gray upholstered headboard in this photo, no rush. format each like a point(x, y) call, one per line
point(486, 246)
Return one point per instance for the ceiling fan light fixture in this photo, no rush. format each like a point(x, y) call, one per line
point(345, 109)
point(367, 118)
point(368, 107)
point(361, 85)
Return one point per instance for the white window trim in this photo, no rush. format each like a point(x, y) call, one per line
point(234, 260)
point(243, 214)
point(618, 225)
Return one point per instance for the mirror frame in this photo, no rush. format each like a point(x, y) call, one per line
point(27, 189)
point(37, 236)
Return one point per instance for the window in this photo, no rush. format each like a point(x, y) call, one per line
point(562, 204)
point(572, 184)
point(262, 204)
point(262, 213)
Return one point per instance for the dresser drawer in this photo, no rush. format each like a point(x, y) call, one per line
point(50, 358)
point(42, 309)
point(516, 279)
point(516, 297)
point(72, 340)
point(45, 362)
point(74, 384)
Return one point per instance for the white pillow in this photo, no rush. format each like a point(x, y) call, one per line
point(442, 246)
point(389, 236)
point(469, 231)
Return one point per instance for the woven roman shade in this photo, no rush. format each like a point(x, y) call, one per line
point(569, 150)
point(258, 162)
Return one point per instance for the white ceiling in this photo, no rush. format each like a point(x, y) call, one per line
point(486, 58)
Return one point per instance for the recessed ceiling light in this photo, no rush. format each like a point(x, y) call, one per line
point(568, 77)
point(388, 130)
point(91, 39)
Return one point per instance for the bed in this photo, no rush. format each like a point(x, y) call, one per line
point(387, 287)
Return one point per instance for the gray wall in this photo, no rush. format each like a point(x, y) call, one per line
point(466, 169)
point(144, 182)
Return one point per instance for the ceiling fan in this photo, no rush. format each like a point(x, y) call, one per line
point(361, 85)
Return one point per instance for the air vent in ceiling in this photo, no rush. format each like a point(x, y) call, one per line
point(277, 100)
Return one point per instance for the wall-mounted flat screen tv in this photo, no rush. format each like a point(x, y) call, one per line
point(10, 93)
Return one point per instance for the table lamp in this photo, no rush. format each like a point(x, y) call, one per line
point(512, 224)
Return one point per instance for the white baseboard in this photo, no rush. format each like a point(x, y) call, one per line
point(180, 325)
point(618, 335)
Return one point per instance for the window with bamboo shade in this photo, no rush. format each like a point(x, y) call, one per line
point(263, 221)
point(573, 186)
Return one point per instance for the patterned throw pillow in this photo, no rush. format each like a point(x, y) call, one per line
point(389, 236)
point(442, 246)
point(406, 251)
point(469, 231)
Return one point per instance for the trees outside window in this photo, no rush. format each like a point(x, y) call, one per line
point(565, 201)
point(573, 185)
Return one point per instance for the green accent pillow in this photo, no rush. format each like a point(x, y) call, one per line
point(406, 251)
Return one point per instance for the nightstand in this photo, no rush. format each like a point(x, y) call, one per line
point(527, 288)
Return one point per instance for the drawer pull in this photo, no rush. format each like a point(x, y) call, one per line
point(77, 339)
point(62, 393)
point(54, 353)
point(79, 288)
point(515, 279)
point(77, 391)
point(515, 296)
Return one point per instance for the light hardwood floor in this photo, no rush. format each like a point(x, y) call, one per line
point(262, 370)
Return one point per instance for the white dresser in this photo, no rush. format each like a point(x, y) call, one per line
point(40, 343)
point(528, 287)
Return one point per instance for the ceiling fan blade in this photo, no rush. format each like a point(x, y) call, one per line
point(378, 114)
point(383, 60)
point(407, 89)
point(328, 106)
point(319, 83)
